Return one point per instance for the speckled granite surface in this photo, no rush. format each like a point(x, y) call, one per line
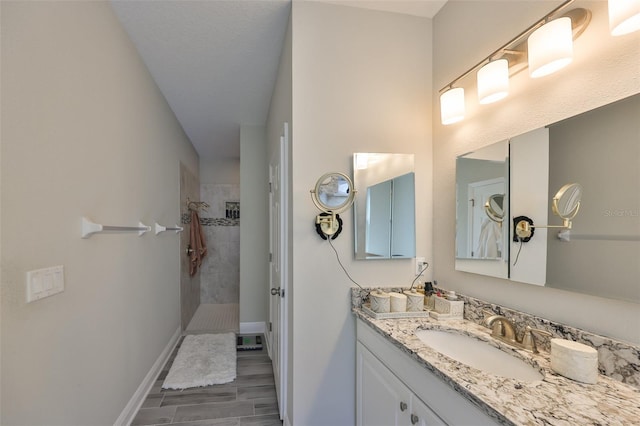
point(616, 359)
point(554, 400)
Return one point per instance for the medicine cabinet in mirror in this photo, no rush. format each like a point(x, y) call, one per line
point(384, 209)
point(482, 210)
point(598, 255)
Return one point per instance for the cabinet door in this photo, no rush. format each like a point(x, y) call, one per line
point(422, 415)
point(382, 399)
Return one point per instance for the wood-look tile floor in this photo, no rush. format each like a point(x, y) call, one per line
point(250, 400)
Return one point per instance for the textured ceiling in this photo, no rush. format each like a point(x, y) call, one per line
point(215, 61)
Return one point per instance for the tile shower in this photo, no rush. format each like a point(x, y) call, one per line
point(220, 270)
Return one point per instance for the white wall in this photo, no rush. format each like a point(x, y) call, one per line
point(254, 225)
point(85, 132)
point(280, 112)
point(223, 170)
point(604, 69)
point(361, 83)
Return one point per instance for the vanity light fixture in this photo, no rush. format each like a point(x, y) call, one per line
point(493, 80)
point(452, 105)
point(550, 47)
point(624, 16)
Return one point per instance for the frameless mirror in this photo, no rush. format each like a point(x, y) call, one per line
point(600, 149)
point(599, 254)
point(481, 204)
point(384, 209)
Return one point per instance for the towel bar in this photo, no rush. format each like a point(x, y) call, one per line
point(159, 228)
point(89, 228)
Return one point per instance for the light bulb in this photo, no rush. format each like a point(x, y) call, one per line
point(493, 81)
point(624, 16)
point(452, 106)
point(550, 47)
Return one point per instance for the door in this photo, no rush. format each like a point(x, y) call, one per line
point(276, 332)
point(382, 399)
point(479, 192)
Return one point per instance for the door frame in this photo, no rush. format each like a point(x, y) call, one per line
point(283, 261)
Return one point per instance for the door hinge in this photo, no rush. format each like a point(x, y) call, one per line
point(270, 327)
point(270, 257)
point(270, 187)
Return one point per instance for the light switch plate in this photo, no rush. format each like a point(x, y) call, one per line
point(44, 282)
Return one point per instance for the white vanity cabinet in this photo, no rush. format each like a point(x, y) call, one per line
point(383, 400)
point(392, 389)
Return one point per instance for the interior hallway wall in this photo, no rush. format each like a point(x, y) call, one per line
point(254, 226)
point(361, 83)
point(604, 69)
point(85, 132)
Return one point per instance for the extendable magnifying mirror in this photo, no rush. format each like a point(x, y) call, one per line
point(565, 204)
point(333, 194)
point(494, 207)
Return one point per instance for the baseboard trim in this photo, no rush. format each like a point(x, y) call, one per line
point(134, 404)
point(285, 421)
point(252, 327)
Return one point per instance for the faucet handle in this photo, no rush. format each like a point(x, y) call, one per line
point(528, 339)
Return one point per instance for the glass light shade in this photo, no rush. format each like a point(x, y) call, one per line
point(452, 106)
point(493, 81)
point(624, 16)
point(550, 47)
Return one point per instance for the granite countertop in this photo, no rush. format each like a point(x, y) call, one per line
point(554, 400)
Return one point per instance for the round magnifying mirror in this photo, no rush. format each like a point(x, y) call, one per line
point(333, 192)
point(494, 207)
point(566, 202)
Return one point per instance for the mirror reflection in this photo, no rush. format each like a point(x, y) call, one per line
point(481, 205)
point(494, 207)
point(600, 149)
point(384, 209)
point(333, 191)
point(599, 254)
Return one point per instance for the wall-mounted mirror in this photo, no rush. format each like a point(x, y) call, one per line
point(482, 202)
point(599, 255)
point(333, 194)
point(384, 209)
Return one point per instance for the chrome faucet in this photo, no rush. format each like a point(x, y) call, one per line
point(504, 330)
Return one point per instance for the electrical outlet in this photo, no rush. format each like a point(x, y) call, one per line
point(419, 265)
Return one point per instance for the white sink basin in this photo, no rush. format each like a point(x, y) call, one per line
point(478, 354)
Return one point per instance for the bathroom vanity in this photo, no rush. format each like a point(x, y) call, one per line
point(402, 381)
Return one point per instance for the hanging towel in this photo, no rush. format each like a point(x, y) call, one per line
point(197, 243)
point(490, 240)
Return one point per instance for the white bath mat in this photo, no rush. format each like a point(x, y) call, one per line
point(203, 360)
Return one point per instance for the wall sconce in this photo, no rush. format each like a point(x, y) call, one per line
point(549, 47)
point(624, 16)
point(333, 194)
point(452, 105)
point(493, 81)
point(565, 204)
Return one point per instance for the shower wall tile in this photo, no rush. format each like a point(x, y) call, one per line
point(220, 271)
point(189, 286)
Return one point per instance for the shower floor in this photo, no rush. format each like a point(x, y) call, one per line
point(215, 318)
